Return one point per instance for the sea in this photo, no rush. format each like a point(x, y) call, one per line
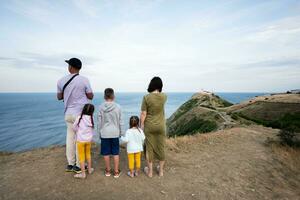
point(34, 120)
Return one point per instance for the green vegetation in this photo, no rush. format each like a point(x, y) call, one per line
point(194, 126)
point(210, 107)
point(234, 116)
point(226, 103)
point(289, 122)
point(289, 137)
point(187, 106)
point(221, 101)
point(197, 115)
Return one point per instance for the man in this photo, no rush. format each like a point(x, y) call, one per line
point(75, 91)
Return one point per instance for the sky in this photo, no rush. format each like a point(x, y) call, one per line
point(220, 46)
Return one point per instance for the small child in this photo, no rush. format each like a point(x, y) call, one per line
point(84, 129)
point(110, 129)
point(134, 138)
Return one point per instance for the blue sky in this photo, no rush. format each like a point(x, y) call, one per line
point(222, 46)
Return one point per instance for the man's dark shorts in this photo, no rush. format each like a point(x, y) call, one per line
point(110, 146)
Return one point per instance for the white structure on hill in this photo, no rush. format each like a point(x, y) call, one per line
point(295, 91)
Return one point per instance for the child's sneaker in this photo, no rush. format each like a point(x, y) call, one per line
point(107, 173)
point(69, 168)
point(76, 169)
point(117, 174)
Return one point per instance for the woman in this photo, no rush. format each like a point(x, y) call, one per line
point(154, 124)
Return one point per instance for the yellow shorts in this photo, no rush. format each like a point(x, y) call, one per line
point(134, 158)
point(84, 151)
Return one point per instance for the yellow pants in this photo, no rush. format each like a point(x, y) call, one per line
point(134, 158)
point(84, 151)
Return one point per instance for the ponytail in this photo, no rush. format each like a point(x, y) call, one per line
point(88, 109)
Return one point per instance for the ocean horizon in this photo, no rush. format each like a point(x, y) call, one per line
point(34, 120)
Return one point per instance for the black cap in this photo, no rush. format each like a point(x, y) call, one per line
point(74, 62)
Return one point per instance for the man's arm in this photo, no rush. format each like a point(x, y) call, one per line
point(59, 93)
point(88, 90)
point(59, 96)
point(90, 95)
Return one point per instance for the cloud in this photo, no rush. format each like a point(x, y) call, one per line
point(124, 8)
point(284, 30)
point(41, 11)
point(224, 41)
point(5, 58)
point(48, 62)
point(275, 63)
point(88, 7)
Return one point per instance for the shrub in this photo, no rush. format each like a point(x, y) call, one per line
point(290, 122)
point(210, 107)
point(194, 126)
point(288, 137)
point(234, 116)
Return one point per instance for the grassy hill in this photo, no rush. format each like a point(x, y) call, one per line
point(206, 112)
point(199, 114)
point(277, 111)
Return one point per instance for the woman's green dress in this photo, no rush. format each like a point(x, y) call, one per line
point(155, 125)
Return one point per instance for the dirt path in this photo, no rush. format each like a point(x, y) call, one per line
point(230, 164)
point(228, 121)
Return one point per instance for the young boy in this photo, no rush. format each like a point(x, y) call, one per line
point(110, 126)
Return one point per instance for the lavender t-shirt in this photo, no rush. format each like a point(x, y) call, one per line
point(75, 93)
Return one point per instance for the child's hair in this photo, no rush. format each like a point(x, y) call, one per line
point(134, 121)
point(109, 93)
point(88, 109)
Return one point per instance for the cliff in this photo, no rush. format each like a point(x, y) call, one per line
point(200, 114)
point(206, 112)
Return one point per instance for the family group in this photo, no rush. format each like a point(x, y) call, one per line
point(146, 133)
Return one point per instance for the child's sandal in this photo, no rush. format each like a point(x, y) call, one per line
point(90, 171)
point(117, 174)
point(129, 174)
point(81, 176)
point(136, 173)
point(107, 173)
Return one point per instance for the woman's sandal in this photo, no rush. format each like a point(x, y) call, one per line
point(158, 171)
point(81, 176)
point(146, 170)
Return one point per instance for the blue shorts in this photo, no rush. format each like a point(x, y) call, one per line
point(110, 146)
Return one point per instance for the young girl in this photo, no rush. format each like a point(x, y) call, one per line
point(84, 129)
point(134, 138)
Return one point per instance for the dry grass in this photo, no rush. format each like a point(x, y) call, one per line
point(288, 155)
point(228, 164)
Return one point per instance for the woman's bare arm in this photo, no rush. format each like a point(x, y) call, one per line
point(143, 117)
